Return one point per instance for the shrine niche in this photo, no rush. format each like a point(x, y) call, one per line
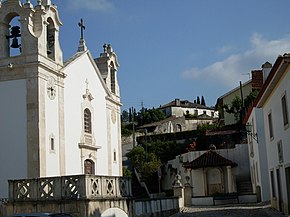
point(216, 172)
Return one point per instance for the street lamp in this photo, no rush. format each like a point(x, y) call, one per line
point(250, 133)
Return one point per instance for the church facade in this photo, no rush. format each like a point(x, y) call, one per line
point(56, 118)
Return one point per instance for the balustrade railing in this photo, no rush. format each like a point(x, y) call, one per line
point(69, 187)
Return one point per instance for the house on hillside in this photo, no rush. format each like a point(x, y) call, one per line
point(175, 124)
point(182, 115)
point(242, 92)
point(269, 121)
point(181, 108)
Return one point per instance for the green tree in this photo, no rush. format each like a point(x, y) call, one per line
point(125, 116)
point(146, 163)
point(198, 100)
point(203, 101)
point(234, 108)
point(147, 116)
point(249, 100)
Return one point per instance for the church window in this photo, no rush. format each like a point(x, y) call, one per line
point(115, 156)
point(284, 111)
point(270, 125)
point(87, 121)
point(113, 78)
point(52, 144)
point(50, 39)
point(89, 167)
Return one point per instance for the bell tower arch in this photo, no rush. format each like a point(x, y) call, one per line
point(32, 88)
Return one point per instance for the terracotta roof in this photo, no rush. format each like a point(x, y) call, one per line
point(185, 104)
point(209, 159)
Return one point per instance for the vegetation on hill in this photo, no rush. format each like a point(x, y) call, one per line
point(144, 116)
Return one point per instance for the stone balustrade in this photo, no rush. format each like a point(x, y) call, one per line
point(69, 187)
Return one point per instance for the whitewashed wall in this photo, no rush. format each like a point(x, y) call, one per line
point(13, 119)
point(52, 128)
point(180, 111)
point(75, 86)
point(258, 155)
point(281, 132)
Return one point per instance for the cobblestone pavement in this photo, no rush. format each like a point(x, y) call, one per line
point(230, 211)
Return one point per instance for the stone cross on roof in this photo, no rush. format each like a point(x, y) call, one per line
point(82, 45)
point(82, 27)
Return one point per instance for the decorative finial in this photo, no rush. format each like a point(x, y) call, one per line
point(105, 48)
point(39, 2)
point(109, 48)
point(46, 2)
point(82, 27)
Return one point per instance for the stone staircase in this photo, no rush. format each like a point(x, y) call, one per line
point(244, 187)
point(139, 188)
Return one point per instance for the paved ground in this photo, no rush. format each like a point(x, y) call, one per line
point(230, 211)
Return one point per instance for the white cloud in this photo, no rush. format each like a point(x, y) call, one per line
point(235, 67)
point(96, 5)
point(225, 49)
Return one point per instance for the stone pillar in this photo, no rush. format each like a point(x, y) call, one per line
point(187, 194)
point(230, 180)
point(178, 191)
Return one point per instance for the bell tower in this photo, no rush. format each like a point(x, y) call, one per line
point(31, 88)
point(108, 66)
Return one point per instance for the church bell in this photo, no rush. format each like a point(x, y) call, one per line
point(15, 33)
point(14, 43)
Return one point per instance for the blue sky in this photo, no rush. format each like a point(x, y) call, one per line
point(171, 49)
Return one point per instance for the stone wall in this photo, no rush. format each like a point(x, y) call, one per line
point(75, 207)
point(161, 207)
point(3, 207)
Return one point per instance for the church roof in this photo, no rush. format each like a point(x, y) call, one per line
point(73, 58)
point(209, 159)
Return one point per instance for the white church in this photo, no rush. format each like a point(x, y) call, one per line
point(56, 118)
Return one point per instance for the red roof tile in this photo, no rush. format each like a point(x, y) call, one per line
point(209, 159)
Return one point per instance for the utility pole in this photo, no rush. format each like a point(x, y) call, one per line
point(133, 125)
point(242, 112)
